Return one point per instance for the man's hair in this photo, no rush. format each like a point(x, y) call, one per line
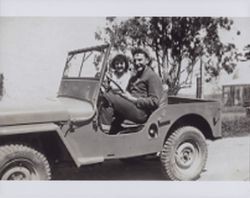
point(119, 57)
point(140, 51)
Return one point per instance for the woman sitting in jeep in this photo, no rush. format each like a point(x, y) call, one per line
point(141, 97)
point(120, 76)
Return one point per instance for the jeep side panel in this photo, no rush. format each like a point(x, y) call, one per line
point(127, 145)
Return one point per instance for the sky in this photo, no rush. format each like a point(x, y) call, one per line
point(33, 51)
point(243, 68)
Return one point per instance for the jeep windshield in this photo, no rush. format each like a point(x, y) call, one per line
point(85, 63)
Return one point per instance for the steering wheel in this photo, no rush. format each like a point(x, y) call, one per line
point(115, 83)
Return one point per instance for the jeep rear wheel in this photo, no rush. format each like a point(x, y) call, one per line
point(184, 154)
point(18, 162)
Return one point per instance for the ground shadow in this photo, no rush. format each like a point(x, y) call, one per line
point(112, 170)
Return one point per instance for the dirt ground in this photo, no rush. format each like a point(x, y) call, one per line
point(228, 159)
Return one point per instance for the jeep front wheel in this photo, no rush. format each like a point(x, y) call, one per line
point(18, 162)
point(184, 154)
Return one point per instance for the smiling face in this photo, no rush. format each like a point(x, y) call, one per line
point(119, 66)
point(140, 61)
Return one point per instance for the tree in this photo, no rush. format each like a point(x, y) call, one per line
point(247, 52)
point(177, 44)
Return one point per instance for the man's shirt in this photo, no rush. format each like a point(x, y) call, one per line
point(147, 88)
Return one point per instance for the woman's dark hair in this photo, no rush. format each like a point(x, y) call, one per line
point(119, 57)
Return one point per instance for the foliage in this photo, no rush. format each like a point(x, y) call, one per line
point(247, 52)
point(177, 44)
point(235, 126)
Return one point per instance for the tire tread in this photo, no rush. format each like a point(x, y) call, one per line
point(6, 150)
point(165, 155)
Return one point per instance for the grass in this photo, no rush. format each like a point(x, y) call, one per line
point(235, 124)
point(234, 109)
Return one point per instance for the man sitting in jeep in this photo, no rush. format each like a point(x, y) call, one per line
point(142, 96)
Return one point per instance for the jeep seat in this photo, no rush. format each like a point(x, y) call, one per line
point(130, 127)
point(128, 123)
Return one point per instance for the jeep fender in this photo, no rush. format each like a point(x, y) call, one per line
point(31, 128)
point(37, 128)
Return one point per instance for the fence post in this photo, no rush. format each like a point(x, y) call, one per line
point(1, 85)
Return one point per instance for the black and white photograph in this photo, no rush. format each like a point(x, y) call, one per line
point(125, 98)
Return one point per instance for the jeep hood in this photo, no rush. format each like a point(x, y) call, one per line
point(59, 109)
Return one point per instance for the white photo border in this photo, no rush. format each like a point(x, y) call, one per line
point(154, 189)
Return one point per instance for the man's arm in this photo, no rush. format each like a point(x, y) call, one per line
point(154, 94)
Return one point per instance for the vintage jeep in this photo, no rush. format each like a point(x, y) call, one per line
point(35, 137)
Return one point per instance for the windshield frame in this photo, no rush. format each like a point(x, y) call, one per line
point(105, 48)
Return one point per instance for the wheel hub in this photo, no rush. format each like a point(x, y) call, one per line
point(18, 171)
point(185, 155)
